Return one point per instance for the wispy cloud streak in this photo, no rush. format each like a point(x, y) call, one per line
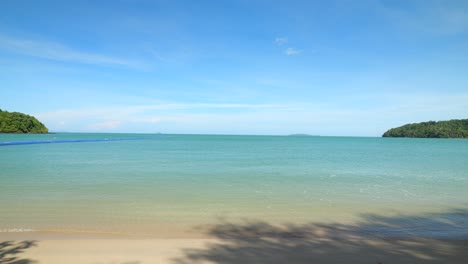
point(281, 41)
point(139, 111)
point(111, 118)
point(59, 52)
point(311, 117)
point(292, 51)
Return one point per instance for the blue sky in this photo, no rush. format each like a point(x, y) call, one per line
point(234, 67)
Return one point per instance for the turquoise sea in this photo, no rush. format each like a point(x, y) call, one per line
point(155, 183)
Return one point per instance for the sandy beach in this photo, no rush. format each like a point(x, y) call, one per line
point(231, 244)
point(118, 251)
point(103, 251)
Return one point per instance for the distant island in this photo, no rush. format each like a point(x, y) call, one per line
point(19, 123)
point(302, 135)
point(456, 128)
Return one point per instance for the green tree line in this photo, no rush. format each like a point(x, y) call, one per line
point(15, 122)
point(457, 128)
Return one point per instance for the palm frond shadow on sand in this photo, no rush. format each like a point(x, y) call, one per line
point(10, 251)
point(431, 238)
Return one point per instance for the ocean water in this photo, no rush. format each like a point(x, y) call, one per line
point(160, 184)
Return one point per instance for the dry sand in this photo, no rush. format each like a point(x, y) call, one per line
point(87, 249)
point(109, 251)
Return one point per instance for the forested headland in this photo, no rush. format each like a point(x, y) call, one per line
point(456, 128)
point(19, 123)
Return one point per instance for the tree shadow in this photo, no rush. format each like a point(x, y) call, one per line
point(10, 251)
point(430, 238)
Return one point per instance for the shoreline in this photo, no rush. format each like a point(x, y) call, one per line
point(248, 242)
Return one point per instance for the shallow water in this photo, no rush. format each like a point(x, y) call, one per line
point(174, 182)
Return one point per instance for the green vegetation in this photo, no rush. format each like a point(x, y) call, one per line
point(15, 122)
point(457, 128)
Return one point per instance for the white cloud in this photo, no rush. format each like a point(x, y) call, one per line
point(175, 106)
point(310, 117)
point(158, 119)
point(281, 41)
point(292, 51)
point(109, 118)
point(289, 51)
point(106, 125)
point(125, 111)
point(59, 52)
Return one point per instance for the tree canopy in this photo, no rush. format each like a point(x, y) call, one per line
point(456, 128)
point(15, 122)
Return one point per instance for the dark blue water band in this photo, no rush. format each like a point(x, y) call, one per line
point(63, 141)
